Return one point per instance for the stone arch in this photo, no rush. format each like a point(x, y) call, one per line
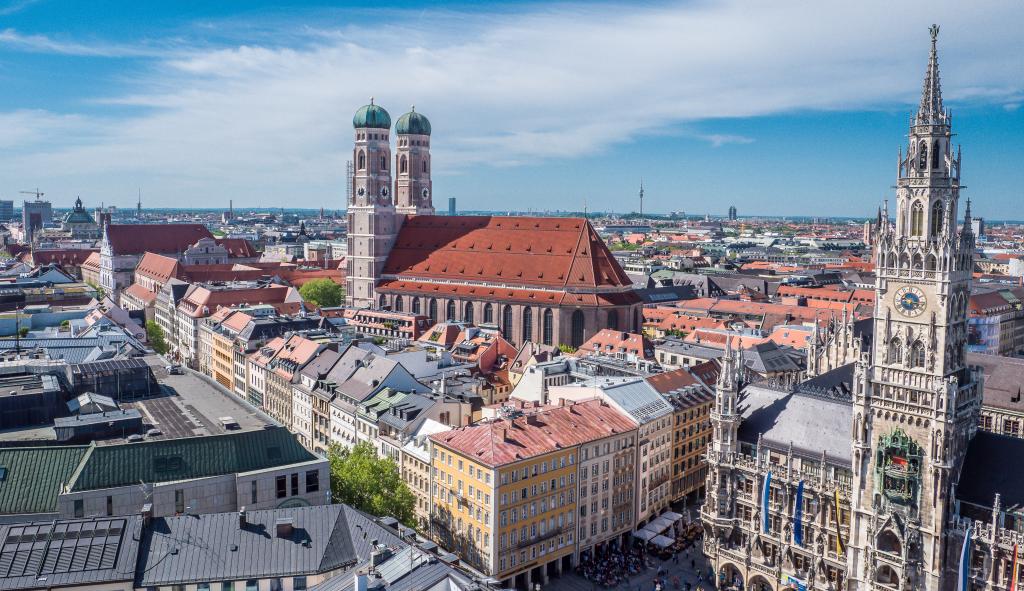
point(759, 582)
point(887, 575)
point(729, 574)
point(918, 263)
point(930, 262)
point(889, 541)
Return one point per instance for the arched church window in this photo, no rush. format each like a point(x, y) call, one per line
point(383, 162)
point(937, 211)
point(403, 165)
point(916, 219)
point(450, 312)
point(895, 351)
point(506, 323)
point(424, 165)
point(488, 314)
point(577, 332)
point(398, 304)
point(527, 324)
point(918, 262)
point(613, 320)
point(904, 261)
point(548, 327)
point(415, 305)
point(361, 160)
point(935, 155)
point(382, 302)
point(467, 313)
point(929, 262)
point(917, 354)
point(432, 310)
point(922, 153)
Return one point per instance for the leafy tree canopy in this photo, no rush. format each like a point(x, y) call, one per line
point(370, 483)
point(322, 293)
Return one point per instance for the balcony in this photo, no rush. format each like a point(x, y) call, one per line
point(540, 538)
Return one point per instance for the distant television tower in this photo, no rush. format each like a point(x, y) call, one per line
point(641, 198)
point(138, 207)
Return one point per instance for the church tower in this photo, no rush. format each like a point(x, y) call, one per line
point(916, 403)
point(372, 223)
point(413, 189)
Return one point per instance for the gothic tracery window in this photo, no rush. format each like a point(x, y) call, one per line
point(917, 354)
point(922, 153)
point(361, 160)
point(937, 211)
point(577, 332)
point(916, 219)
point(547, 327)
point(895, 351)
point(527, 324)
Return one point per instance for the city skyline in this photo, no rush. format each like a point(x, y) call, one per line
point(177, 103)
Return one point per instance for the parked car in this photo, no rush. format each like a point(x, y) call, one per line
point(229, 423)
point(154, 432)
point(175, 370)
point(133, 438)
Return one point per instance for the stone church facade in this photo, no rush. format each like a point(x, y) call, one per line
point(872, 474)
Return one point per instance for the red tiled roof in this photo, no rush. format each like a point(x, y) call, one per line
point(158, 238)
point(553, 253)
point(504, 441)
point(140, 293)
point(73, 257)
point(672, 380)
point(92, 261)
point(238, 248)
point(610, 341)
point(158, 267)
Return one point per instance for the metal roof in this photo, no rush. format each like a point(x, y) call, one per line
point(213, 547)
point(33, 476)
point(69, 552)
point(810, 423)
point(186, 458)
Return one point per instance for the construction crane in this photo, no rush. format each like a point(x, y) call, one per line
point(39, 194)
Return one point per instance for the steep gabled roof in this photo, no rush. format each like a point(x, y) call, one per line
point(553, 253)
point(158, 238)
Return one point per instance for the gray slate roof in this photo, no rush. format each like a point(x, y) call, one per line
point(196, 548)
point(992, 466)
point(810, 423)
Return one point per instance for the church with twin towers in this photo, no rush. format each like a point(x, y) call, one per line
point(537, 279)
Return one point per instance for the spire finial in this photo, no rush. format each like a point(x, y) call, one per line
point(371, 100)
point(412, 108)
point(931, 110)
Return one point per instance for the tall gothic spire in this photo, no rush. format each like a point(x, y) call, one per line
point(930, 110)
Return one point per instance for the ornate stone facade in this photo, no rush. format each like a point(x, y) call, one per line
point(903, 473)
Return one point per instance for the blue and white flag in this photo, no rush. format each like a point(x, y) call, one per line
point(798, 514)
point(766, 494)
point(963, 583)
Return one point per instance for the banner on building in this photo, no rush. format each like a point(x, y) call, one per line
point(963, 580)
point(1013, 570)
point(798, 514)
point(840, 546)
point(766, 495)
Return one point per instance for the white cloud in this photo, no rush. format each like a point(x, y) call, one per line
point(263, 123)
point(43, 44)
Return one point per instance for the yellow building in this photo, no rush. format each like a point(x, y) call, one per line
point(504, 492)
point(691, 426)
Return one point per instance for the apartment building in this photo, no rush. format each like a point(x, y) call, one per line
point(504, 492)
point(692, 400)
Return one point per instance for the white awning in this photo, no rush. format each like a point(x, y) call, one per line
point(672, 515)
point(659, 525)
point(662, 541)
point(645, 534)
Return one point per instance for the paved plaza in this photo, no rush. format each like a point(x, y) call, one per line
point(683, 571)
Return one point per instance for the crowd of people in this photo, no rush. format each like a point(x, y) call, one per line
point(610, 567)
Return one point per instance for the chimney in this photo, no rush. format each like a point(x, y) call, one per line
point(284, 527)
point(361, 582)
point(241, 518)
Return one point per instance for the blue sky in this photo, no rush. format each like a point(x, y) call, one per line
point(781, 108)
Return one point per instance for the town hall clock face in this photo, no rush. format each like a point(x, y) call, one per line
point(910, 301)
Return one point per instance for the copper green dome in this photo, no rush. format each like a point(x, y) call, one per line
point(413, 123)
point(372, 115)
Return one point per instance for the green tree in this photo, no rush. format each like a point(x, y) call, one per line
point(23, 331)
point(155, 334)
point(369, 483)
point(322, 293)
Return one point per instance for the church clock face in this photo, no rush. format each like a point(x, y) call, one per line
point(426, 193)
point(910, 301)
point(361, 191)
point(383, 191)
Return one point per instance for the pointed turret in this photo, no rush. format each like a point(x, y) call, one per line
point(931, 111)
